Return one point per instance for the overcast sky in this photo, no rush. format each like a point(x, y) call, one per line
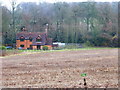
point(7, 2)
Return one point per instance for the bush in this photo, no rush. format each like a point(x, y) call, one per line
point(45, 48)
point(2, 48)
point(115, 41)
point(88, 44)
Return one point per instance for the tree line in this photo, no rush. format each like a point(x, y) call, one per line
point(93, 23)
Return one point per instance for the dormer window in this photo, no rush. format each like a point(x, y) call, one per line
point(38, 39)
point(30, 38)
point(22, 38)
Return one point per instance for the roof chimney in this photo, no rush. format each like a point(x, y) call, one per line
point(23, 28)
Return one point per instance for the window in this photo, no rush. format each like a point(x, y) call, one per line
point(30, 39)
point(21, 45)
point(38, 39)
point(22, 38)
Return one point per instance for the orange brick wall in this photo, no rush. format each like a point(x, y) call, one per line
point(26, 43)
point(34, 47)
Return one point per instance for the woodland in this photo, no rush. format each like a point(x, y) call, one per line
point(92, 23)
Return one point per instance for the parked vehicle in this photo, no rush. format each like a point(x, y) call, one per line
point(9, 47)
point(20, 48)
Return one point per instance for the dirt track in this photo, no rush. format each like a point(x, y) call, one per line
point(62, 69)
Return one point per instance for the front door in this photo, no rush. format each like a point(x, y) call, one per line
point(38, 47)
point(31, 47)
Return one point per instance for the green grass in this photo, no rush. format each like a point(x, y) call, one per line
point(87, 48)
point(19, 52)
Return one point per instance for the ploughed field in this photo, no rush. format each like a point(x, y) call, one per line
point(62, 69)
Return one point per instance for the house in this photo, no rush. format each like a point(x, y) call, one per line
point(33, 40)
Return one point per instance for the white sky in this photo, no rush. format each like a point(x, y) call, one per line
point(7, 2)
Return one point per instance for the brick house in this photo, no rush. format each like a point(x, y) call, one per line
point(33, 40)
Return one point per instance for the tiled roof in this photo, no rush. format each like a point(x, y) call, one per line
point(34, 35)
point(26, 35)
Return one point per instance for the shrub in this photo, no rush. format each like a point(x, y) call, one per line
point(2, 48)
point(115, 41)
point(45, 47)
point(88, 44)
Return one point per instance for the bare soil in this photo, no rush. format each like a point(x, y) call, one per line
point(62, 69)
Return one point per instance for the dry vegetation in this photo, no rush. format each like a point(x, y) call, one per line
point(9, 52)
point(62, 69)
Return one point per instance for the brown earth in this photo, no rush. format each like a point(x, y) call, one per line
point(62, 69)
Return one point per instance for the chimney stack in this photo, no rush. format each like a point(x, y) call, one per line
point(23, 28)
